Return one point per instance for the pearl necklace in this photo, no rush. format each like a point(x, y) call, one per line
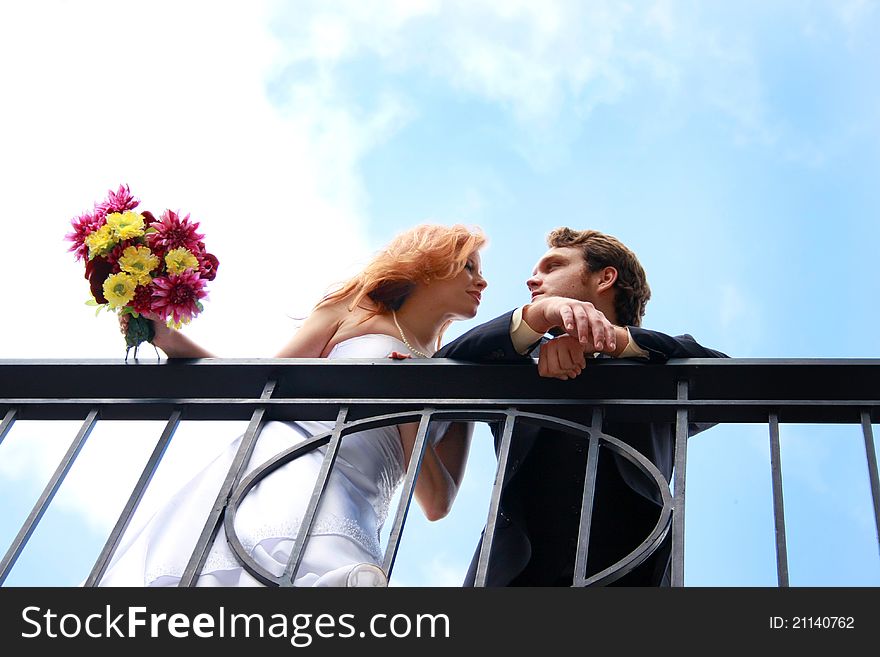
point(405, 341)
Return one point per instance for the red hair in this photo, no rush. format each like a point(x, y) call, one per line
point(422, 254)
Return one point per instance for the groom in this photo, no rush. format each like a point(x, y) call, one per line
point(590, 291)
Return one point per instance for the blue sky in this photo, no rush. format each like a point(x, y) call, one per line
point(734, 146)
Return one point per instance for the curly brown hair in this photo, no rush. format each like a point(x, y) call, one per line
point(600, 250)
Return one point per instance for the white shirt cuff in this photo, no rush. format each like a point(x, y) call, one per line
point(632, 350)
point(522, 335)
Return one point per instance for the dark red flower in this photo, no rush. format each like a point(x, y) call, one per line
point(208, 264)
point(97, 271)
point(143, 299)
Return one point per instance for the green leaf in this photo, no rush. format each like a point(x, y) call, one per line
point(91, 302)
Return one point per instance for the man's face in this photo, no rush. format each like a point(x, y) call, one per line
point(562, 272)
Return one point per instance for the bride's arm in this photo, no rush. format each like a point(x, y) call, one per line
point(308, 342)
point(442, 467)
point(315, 334)
point(174, 343)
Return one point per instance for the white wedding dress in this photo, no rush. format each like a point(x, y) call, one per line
point(368, 469)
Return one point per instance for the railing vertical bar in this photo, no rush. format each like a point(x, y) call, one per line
point(7, 423)
point(678, 502)
point(49, 491)
point(409, 486)
point(236, 470)
point(868, 431)
point(305, 528)
point(134, 499)
point(580, 560)
point(495, 500)
point(778, 505)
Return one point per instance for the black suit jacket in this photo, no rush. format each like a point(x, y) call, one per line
point(536, 532)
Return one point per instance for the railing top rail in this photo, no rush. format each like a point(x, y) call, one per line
point(722, 390)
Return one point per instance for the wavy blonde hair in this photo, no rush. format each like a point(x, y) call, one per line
point(427, 252)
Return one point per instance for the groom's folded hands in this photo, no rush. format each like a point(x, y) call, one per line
point(579, 319)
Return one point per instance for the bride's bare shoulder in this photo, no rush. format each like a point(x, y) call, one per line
point(359, 321)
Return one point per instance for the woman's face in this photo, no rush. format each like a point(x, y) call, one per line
point(460, 295)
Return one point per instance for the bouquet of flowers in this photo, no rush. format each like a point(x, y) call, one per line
point(138, 265)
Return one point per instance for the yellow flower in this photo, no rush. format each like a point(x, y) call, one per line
point(138, 261)
point(126, 224)
point(100, 241)
point(119, 289)
point(179, 260)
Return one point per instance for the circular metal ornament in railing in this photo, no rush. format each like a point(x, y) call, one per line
point(592, 434)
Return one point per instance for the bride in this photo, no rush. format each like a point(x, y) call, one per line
point(399, 306)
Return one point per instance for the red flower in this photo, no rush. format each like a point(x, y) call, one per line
point(208, 264)
point(173, 232)
point(177, 295)
point(143, 299)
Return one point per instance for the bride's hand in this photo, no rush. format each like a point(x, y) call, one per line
point(161, 331)
point(174, 343)
point(396, 355)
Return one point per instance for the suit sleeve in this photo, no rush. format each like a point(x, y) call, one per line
point(662, 347)
point(491, 343)
point(486, 343)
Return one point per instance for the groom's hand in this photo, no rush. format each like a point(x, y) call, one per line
point(561, 358)
point(579, 319)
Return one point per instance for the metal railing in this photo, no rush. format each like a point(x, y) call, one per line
point(358, 395)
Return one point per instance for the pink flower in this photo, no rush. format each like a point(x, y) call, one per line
point(173, 232)
point(119, 201)
point(83, 226)
point(177, 295)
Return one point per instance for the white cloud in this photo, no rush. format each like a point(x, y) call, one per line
point(854, 13)
point(547, 65)
point(170, 98)
point(110, 462)
point(180, 112)
point(33, 450)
